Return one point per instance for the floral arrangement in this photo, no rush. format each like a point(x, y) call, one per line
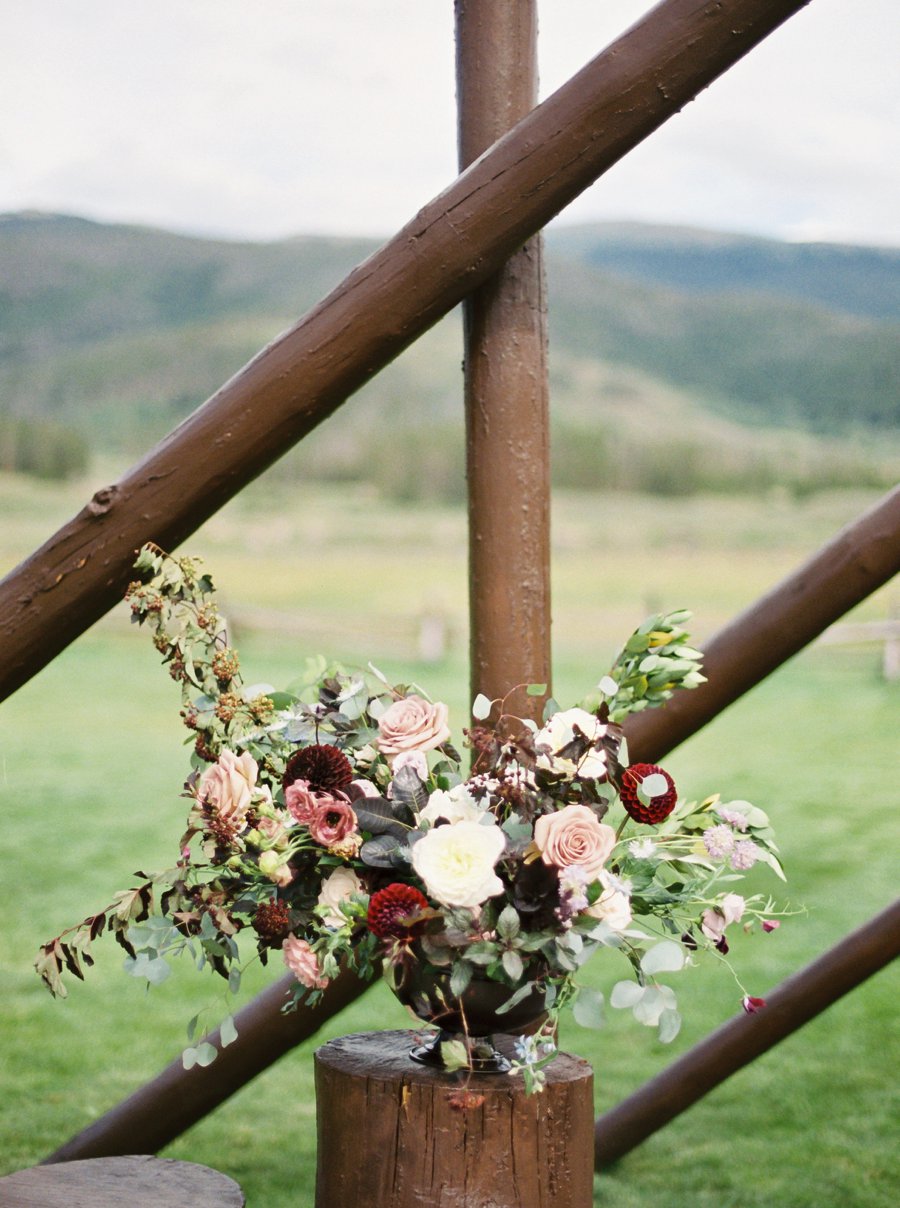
point(334, 823)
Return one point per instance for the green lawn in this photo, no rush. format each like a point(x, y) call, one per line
point(91, 764)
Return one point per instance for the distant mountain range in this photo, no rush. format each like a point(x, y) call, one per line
point(119, 331)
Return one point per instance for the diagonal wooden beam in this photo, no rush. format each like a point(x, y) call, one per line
point(262, 1038)
point(450, 247)
point(177, 1098)
point(861, 558)
point(794, 1003)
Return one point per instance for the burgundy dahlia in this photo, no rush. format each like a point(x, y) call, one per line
point(393, 910)
point(657, 808)
point(323, 767)
point(272, 920)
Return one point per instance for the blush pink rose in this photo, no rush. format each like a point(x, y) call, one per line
point(412, 724)
point(228, 785)
point(574, 836)
point(301, 801)
point(302, 962)
point(332, 820)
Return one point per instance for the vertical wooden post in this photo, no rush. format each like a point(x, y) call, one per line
point(506, 386)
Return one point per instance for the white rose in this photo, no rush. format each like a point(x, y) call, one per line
point(339, 887)
point(614, 905)
point(559, 731)
point(454, 805)
point(457, 862)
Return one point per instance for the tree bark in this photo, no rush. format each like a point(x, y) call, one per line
point(391, 1136)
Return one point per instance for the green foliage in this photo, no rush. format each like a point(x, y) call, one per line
point(41, 448)
point(82, 808)
point(123, 332)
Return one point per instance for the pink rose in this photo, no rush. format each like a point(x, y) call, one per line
point(273, 832)
point(228, 785)
point(714, 920)
point(302, 962)
point(412, 724)
point(574, 836)
point(411, 759)
point(301, 802)
point(332, 820)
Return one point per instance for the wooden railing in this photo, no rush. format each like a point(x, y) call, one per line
point(458, 244)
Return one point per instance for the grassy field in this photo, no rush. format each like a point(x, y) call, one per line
point(91, 764)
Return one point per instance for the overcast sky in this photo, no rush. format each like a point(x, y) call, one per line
point(264, 118)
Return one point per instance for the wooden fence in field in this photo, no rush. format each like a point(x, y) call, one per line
point(478, 243)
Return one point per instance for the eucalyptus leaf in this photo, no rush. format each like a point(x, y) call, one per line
point(227, 1031)
point(626, 994)
point(654, 785)
point(481, 707)
point(650, 1007)
point(588, 1010)
point(206, 1053)
point(669, 1025)
point(665, 957)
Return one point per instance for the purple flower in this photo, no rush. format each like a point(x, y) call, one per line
point(744, 855)
point(734, 818)
point(719, 841)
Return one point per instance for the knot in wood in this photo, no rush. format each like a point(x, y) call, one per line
point(103, 500)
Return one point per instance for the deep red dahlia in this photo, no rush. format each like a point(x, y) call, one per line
point(659, 807)
point(272, 920)
point(393, 909)
point(325, 768)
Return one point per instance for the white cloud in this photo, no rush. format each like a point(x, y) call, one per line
point(268, 119)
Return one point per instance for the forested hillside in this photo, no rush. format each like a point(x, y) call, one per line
point(661, 342)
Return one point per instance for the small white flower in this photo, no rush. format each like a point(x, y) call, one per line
point(455, 805)
point(559, 731)
point(642, 849)
point(614, 904)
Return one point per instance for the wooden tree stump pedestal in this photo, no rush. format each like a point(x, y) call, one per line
point(391, 1136)
point(140, 1181)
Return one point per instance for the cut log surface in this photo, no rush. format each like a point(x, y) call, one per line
point(392, 1133)
point(128, 1182)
